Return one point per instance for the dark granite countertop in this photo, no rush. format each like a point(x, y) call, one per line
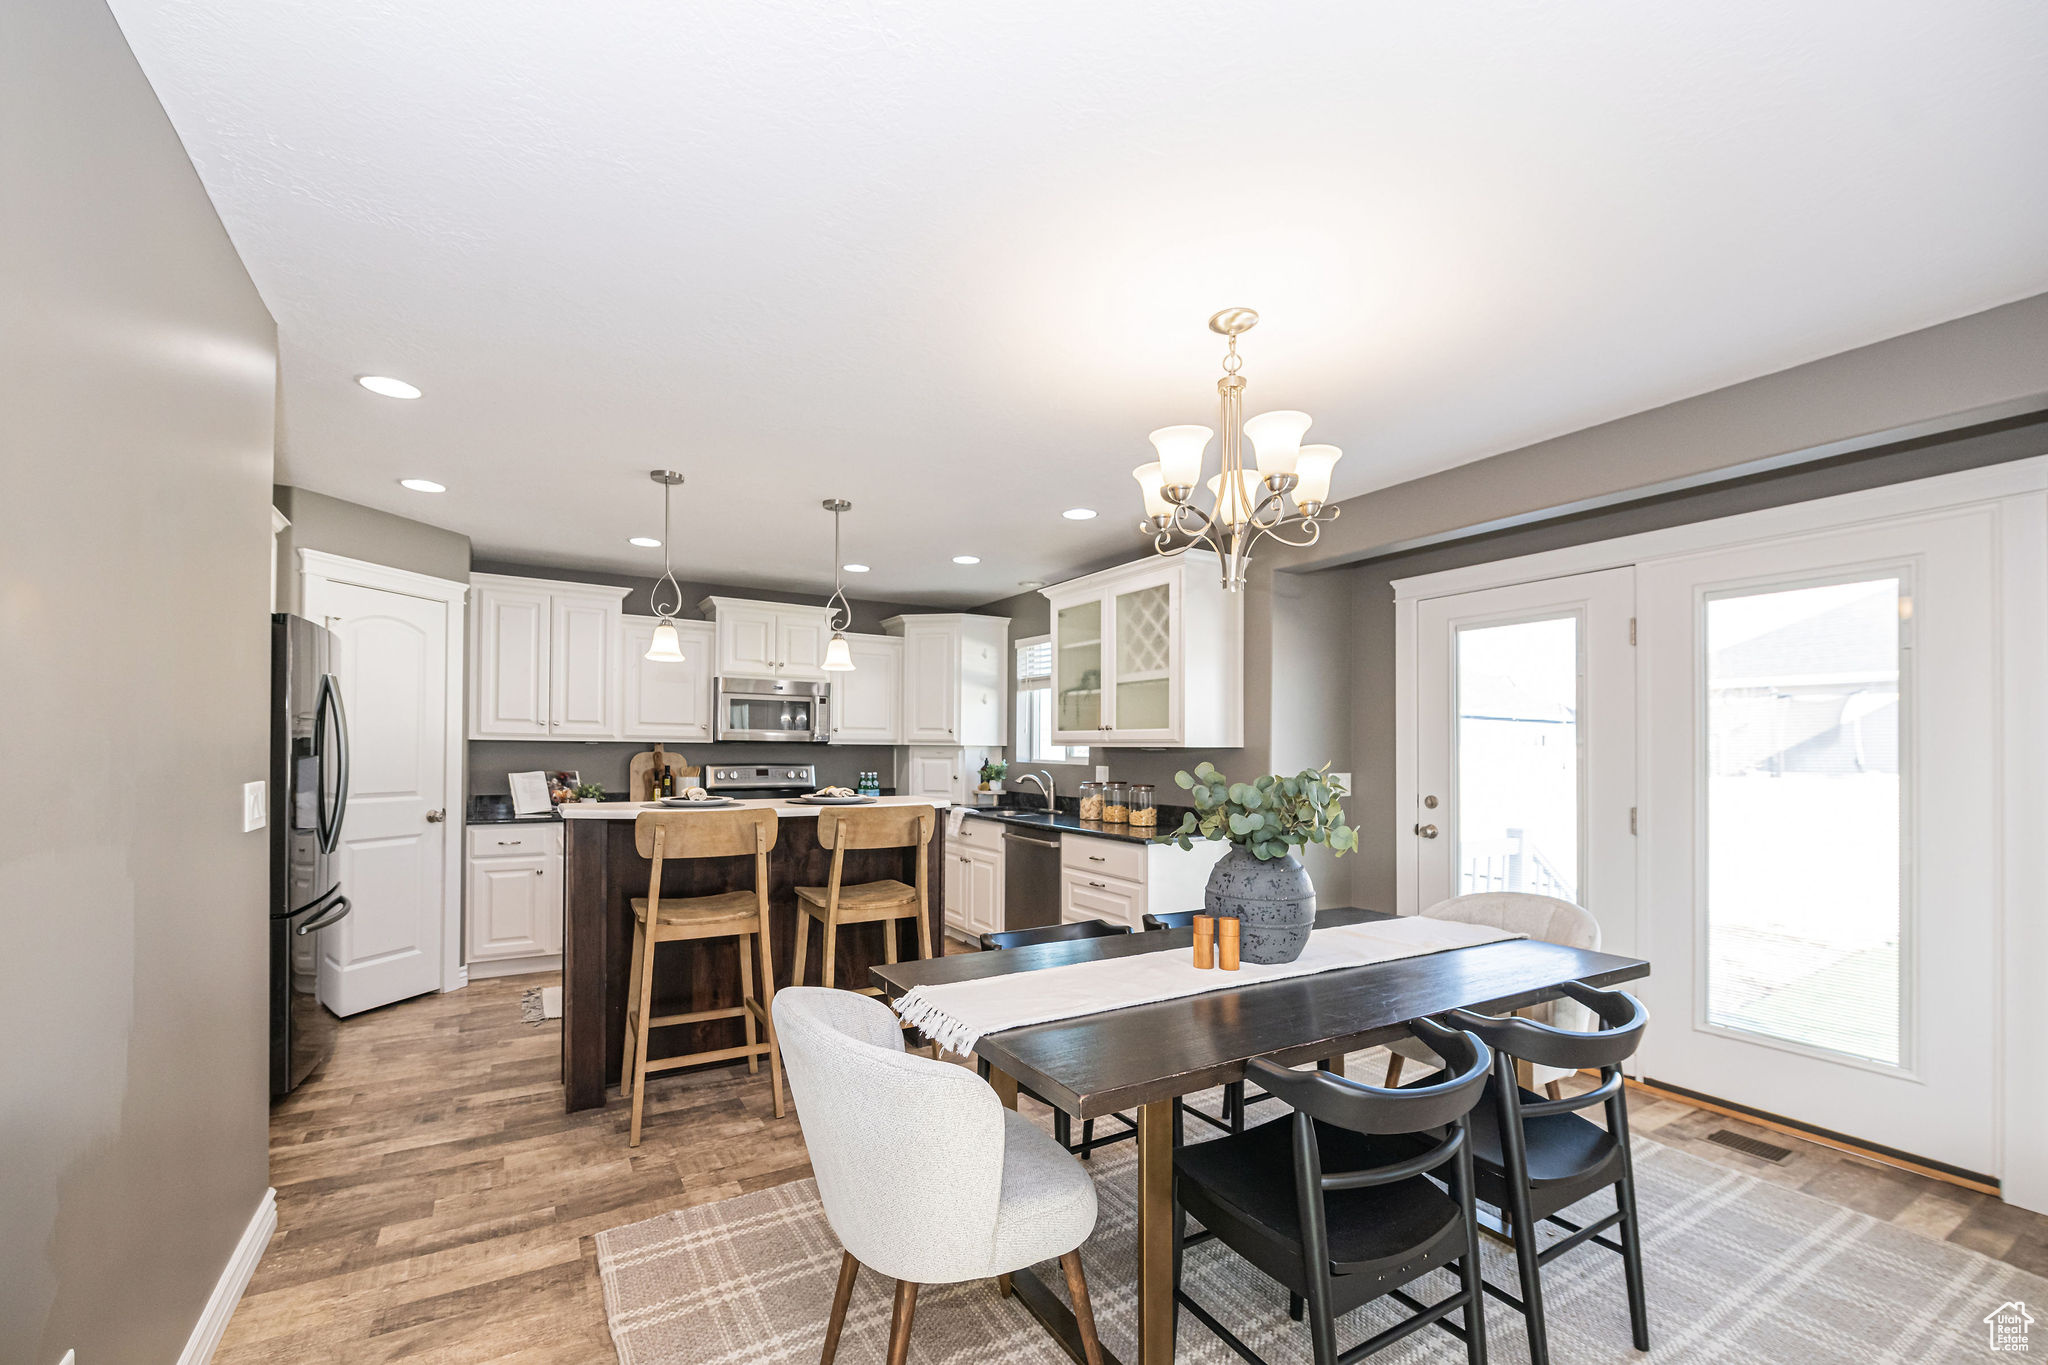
point(1067, 822)
point(497, 810)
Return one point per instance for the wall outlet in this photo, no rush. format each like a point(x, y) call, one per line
point(255, 807)
point(1343, 780)
point(1102, 772)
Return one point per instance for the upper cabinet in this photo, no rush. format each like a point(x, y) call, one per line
point(768, 639)
point(867, 704)
point(666, 701)
point(1149, 654)
point(543, 659)
point(955, 678)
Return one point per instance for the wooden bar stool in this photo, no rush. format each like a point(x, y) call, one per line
point(666, 834)
point(884, 901)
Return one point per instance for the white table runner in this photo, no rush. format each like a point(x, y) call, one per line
point(959, 1013)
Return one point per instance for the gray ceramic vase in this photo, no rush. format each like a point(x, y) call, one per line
point(1273, 902)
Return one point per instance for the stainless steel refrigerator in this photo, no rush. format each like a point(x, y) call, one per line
point(308, 798)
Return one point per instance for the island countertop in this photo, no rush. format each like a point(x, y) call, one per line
point(784, 810)
point(603, 871)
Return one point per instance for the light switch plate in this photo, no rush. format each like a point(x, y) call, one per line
point(255, 807)
point(1343, 780)
point(1102, 772)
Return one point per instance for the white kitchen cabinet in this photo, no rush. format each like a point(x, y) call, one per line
point(974, 881)
point(769, 639)
point(583, 680)
point(543, 659)
point(867, 704)
point(1122, 882)
point(955, 678)
point(513, 909)
point(508, 661)
point(666, 701)
point(984, 891)
point(936, 774)
point(1148, 654)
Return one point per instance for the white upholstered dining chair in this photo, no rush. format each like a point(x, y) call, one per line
point(1518, 912)
point(1003, 1196)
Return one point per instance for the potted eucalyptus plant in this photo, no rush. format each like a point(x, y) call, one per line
point(1260, 882)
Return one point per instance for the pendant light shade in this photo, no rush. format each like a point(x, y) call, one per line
point(667, 646)
point(838, 658)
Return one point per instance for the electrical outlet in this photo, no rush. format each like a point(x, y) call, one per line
point(1342, 780)
point(255, 807)
point(1102, 772)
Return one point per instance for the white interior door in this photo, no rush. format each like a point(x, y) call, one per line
point(392, 665)
point(1525, 733)
point(1821, 836)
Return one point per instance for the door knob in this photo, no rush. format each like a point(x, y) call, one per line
point(1429, 803)
point(435, 817)
point(1426, 831)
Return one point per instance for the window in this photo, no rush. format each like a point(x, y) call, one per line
point(1034, 707)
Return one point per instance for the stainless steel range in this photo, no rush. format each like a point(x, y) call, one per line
point(762, 780)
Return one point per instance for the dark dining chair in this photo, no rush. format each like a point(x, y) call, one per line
point(1336, 1202)
point(1234, 1097)
point(1535, 1156)
point(1062, 1123)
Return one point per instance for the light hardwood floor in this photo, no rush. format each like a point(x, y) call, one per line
point(436, 1204)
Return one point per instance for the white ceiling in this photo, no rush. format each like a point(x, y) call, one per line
point(953, 261)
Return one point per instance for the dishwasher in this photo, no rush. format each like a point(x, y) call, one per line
point(1031, 878)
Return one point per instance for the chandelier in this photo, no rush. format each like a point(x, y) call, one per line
point(1247, 505)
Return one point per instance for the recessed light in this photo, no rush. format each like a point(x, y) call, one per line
point(967, 559)
point(854, 568)
point(645, 542)
point(386, 385)
point(1079, 514)
point(1030, 583)
point(423, 485)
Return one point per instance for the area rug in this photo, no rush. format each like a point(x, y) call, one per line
point(1739, 1270)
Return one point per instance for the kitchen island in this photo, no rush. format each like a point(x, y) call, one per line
point(603, 872)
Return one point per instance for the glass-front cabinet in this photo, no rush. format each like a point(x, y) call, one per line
point(1148, 654)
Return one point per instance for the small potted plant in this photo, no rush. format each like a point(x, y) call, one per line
point(588, 791)
point(992, 773)
point(1260, 882)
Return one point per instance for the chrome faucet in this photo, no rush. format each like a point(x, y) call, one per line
point(1046, 785)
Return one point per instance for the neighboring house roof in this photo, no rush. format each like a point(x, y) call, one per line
point(1856, 639)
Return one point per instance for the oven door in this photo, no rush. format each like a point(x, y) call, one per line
point(771, 710)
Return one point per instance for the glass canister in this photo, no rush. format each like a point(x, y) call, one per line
point(1116, 803)
point(1091, 800)
point(1144, 815)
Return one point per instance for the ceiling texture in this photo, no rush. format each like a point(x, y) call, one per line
point(954, 261)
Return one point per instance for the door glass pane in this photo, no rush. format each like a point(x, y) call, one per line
point(1802, 703)
point(1144, 648)
point(1079, 679)
point(1518, 758)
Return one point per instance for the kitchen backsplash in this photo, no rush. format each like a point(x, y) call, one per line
point(605, 761)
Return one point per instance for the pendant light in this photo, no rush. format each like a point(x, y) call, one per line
point(667, 646)
point(838, 657)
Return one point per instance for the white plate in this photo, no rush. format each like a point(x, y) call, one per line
point(833, 800)
point(695, 803)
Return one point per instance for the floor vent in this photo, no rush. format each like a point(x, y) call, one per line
point(1748, 1146)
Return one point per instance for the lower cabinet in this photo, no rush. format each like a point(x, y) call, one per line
point(513, 903)
point(1122, 882)
point(974, 882)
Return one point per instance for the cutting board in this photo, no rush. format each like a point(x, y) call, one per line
point(640, 773)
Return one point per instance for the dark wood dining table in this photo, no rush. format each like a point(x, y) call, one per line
point(1146, 1056)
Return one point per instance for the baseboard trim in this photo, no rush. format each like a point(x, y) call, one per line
point(234, 1279)
point(514, 966)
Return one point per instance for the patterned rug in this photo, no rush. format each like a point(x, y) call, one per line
point(1739, 1270)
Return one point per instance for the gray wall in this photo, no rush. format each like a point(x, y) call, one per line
point(605, 762)
point(319, 522)
point(1368, 591)
point(137, 374)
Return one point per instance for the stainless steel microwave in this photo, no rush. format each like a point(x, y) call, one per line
point(776, 710)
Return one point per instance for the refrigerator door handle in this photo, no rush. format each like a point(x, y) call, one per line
point(318, 903)
point(336, 912)
point(330, 704)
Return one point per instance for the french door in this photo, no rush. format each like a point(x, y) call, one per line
point(1525, 733)
point(1820, 839)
